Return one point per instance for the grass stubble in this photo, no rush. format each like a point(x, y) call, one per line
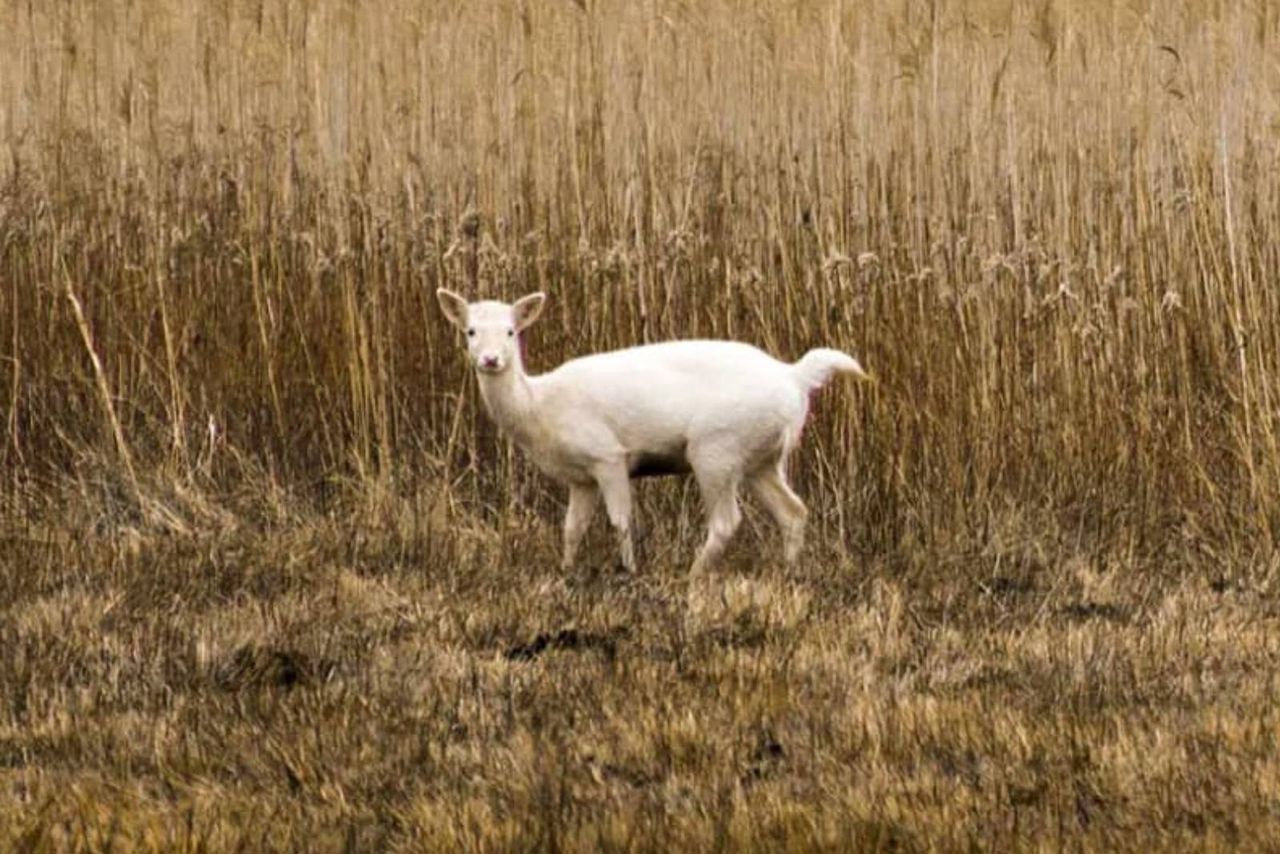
point(271, 581)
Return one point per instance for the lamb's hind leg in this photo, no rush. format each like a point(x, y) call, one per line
point(720, 495)
point(582, 505)
point(770, 486)
point(615, 486)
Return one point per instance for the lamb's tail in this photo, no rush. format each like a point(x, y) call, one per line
point(816, 367)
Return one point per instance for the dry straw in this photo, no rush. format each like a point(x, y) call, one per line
point(1049, 229)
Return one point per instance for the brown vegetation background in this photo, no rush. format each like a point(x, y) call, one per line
point(269, 578)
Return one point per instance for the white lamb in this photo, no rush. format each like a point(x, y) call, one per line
point(726, 411)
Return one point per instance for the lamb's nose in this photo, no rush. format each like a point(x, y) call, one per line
point(489, 361)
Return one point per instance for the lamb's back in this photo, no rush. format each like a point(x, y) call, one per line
point(665, 389)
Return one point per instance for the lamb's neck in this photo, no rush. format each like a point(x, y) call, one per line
point(510, 400)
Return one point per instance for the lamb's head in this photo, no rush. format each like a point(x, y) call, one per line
point(491, 327)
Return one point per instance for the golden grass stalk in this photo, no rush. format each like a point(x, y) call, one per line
point(123, 453)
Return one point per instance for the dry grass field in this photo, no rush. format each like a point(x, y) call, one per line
point(269, 580)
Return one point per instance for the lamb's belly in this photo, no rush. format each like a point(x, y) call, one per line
point(655, 462)
point(562, 469)
point(653, 459)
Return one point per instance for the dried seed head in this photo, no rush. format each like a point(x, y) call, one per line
point(469, 223)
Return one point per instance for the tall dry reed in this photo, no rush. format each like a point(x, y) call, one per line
point(1050, 230)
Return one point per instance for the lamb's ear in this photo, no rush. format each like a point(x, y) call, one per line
point(527, 309)
point(453, 306)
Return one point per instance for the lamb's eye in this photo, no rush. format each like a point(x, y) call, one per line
point(471, 333)
point(511, 333)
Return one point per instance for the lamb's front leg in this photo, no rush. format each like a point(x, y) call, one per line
point(615, 485)
point(582, 505)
